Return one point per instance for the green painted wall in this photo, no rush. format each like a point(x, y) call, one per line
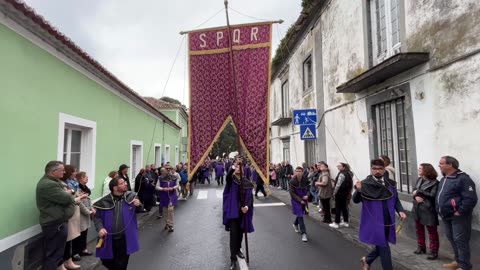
point(35, 87)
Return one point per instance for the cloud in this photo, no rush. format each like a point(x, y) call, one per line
point(138, 40)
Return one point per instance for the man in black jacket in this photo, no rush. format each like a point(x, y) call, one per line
point(288, 173)
point(455, 202)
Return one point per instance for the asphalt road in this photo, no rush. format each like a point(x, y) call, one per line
point(200, 241)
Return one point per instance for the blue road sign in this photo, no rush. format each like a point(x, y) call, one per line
point(308, 132)
point(305, 117)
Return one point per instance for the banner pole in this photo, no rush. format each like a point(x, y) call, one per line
point(242, 189)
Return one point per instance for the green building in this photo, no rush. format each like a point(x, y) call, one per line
point(178, 114)
point(57, 103)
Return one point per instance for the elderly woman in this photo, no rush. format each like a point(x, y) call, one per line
point(424, 210)
point(86, 213)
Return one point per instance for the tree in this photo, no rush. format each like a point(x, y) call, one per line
point(171, 100)
point(226, 143)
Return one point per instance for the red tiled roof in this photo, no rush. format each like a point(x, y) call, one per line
point(45, 25)
point(162, 104)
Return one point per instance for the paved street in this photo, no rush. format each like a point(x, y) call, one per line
point(200, 242)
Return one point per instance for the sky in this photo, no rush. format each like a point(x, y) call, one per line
point(138, 41)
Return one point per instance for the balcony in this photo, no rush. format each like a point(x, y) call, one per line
point(282, 121)
point(387, 69)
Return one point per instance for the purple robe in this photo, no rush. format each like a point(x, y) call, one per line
point(372, 227)
point(297, 207)
point(232, 205)
point(168, 196)
point(247, 172)
point(219, 169)
point(131, 230)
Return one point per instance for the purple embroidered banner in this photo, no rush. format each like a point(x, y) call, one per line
point(213, 100)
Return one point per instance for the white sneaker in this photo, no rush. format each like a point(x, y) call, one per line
point(304, 237)
point(333, 225)
point(343, 224)
point(295, 228)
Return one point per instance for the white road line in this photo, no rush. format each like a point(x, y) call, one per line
point(243, 264)
point(268, 204)
point(202, 195)
point(219, 194)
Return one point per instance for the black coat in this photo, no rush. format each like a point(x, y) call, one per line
point(425, 212)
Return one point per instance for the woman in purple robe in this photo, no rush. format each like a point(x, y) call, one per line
point(379, 199)
point(299, 188)
point(237, 211)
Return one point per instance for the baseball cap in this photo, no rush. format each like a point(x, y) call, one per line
point(123, 166)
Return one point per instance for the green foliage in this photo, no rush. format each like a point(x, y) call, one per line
point(226, 143)
point(171, 100)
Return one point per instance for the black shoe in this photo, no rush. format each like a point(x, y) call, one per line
point(76, 258)
point(170, 229)
point(419, 251)
point(240, 255)
point(432, 256)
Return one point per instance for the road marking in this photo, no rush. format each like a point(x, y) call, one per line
point(243, 264)
point(202, 195)
point(268, 204)
point(219, 194)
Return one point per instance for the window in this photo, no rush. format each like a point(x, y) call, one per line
point(392, 140)
point(77, 144)
point(136, 155)
point(177, 154)
point(310, 153)
point(285, 100)
point(157, 158)
point(307, 74)
point(286, 150)
point(167, 153)
point(184, 131)
point(385, 24)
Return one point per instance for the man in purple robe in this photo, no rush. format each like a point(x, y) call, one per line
point(379, 199)
point(237, 210)
point(219, 172)
point(116, 223)
point(167, 185)
point(299, 188)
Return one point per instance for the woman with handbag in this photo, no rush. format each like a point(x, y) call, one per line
point(423, 210)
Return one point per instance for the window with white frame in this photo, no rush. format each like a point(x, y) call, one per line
point(157, 155)
point(136, 154)
point(77, 144)
point(307, 74)
point(184, 131)
point(177, 155)
point(285, 99)
point(286, 150)
point(167, 153)
point(385, 25)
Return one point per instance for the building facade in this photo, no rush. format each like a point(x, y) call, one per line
point(178, 114)
point(391, 77)
point(59, 104)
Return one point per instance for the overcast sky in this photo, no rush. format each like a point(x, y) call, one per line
point(138, 40)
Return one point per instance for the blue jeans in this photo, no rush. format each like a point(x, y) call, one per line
point(299, 221)
point(314, 192)
point(458, 231)
point(385, 257)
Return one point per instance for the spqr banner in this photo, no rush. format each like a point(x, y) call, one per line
point(213, 99)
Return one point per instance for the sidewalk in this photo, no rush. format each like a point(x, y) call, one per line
point(402, 252)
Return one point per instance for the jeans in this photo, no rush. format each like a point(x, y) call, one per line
point(314, 193)
point(385, 257)
point(54, 238)
point(299, 222)
point(458, 230)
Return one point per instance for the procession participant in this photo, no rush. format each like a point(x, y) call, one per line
point(167, 185)
point(379, 199)
point(237, 210)
point(299, 187)
point(116, 223)
point(219, 172)
point(259, 182)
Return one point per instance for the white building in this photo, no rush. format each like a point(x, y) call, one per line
point(392, 77)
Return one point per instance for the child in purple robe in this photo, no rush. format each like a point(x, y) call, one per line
point(299, 188)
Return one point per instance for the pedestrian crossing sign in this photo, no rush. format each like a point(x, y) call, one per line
point(308, 132)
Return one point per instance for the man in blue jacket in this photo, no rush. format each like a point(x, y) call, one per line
point(455, 202)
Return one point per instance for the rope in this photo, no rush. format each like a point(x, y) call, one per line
point(173, 65)
point(243, 14)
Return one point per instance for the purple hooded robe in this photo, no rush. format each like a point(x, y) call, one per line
point(232, 203)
